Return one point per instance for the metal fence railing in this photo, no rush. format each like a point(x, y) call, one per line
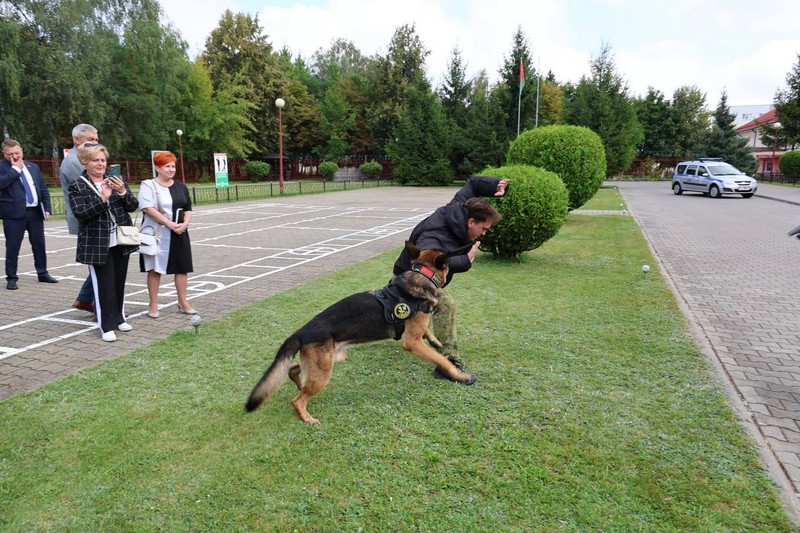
point(209, 194)
point(774, 177)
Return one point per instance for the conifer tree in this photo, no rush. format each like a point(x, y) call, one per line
point(722, 140)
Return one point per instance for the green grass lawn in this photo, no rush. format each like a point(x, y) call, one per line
point(594, 410)
point(606, 199)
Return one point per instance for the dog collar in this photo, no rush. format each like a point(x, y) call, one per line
point(428, 273)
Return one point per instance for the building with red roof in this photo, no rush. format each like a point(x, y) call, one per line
point(768, 156)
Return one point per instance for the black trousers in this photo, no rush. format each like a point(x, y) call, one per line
point(109, 288)
point(14, 231)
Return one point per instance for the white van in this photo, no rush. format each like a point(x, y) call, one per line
point(712, 177)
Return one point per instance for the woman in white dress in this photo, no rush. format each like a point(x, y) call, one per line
point(167, 210)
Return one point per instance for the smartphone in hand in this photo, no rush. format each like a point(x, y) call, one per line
point(115, 170)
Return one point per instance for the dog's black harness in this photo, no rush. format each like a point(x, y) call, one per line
point(398, 306)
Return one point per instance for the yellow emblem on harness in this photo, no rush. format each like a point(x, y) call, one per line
point(402, 311)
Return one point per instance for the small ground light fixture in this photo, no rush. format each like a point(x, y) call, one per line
point(196, 321)
point(645, 270)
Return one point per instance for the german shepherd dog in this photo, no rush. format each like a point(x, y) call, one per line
point(356, 319)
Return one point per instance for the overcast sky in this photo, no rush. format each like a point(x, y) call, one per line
point(744, 47)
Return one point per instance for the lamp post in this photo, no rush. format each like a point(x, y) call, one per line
point(279, 103)
point(180, 149)
point(776, 126)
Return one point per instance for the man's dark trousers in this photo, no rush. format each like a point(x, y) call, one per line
point(14, 230)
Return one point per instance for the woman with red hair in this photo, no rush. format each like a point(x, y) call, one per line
point(167, 210)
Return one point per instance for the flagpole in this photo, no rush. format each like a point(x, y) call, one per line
point(519, 96)
point(538, 77)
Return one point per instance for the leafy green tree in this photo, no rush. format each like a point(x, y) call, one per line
point(722, 141)
point(342, 60)
point(654, 113)
point(551, 104)
point(419, 146)
point(214, 122)
point(301, 116)
point(690, 119)
point(392, 78)
point(601, 103)
point(11, 71)
point(790, 164)
point(341, 68)
point(238, 50)
point(61, 62)
point(337, 118)
point(787, 105)
point(149, 69)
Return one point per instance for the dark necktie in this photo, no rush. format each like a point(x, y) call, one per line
point(28, 191)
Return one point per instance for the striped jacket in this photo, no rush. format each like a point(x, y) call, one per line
point(94, 233)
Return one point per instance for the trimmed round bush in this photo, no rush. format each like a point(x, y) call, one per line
point(575, 153)
point(371, 169)
point(790, 164)
point(328, 169)
point(257, 170)
point(534, 208)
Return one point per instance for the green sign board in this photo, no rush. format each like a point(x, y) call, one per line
point(221, 170)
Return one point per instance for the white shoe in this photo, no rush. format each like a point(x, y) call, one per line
point(109, 336)
point(124, 327)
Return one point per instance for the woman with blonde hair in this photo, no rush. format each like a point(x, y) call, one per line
point(167, 210)
point(101, 202)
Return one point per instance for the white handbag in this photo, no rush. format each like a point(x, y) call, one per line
point(150, 241)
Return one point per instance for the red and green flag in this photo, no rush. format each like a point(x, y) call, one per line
point(521, 76)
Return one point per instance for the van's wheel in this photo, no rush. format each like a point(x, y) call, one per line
point(676, 188)
point(748, 195)
point(713, 191)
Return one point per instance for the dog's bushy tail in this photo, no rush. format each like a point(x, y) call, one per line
point(277, 373)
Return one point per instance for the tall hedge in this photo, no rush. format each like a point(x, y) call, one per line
point(534, 208)
point(575, 153)
point(790, 164)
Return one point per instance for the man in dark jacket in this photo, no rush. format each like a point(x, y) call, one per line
point(455, 228)
point(71, 170)
point(24, 206)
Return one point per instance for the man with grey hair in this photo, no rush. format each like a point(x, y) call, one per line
point(71, 170)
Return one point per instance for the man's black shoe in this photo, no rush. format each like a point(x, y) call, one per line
point(47, 278)
point(438, 373)
point(11, 285)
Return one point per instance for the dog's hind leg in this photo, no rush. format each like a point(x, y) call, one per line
point(294, 375)
point(316, 364)
point(341, 353)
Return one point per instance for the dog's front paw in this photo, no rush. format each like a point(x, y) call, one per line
point(471, 378)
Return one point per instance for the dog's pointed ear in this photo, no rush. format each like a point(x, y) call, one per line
point(441, 261)
point(413, 251)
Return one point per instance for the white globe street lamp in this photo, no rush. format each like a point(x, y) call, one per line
point(279, 103)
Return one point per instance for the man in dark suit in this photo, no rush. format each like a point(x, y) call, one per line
point(71, 170)
point(24, 206)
